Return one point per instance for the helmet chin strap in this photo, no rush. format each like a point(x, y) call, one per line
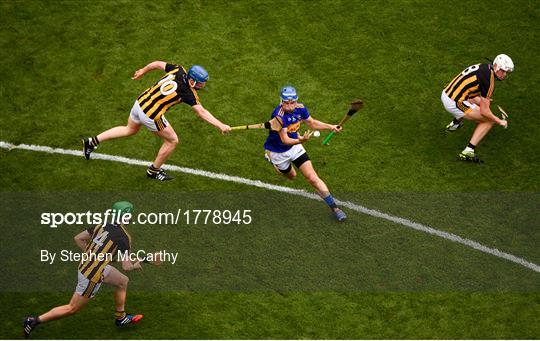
point(193, 84)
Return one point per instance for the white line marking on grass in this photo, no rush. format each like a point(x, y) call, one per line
point(299, 192)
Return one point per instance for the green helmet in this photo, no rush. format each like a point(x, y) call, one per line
point(122, 207)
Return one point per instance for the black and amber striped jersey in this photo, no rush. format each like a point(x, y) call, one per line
point(171, 89)
point(476, 80)
point(104, 245)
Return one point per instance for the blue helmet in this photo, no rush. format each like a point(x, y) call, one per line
point(288, 93)
point(198, 73)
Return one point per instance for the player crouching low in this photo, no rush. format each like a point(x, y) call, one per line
point(468, 96)
point(109, 239)
point(284, 147)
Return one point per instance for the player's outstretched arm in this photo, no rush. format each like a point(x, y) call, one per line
point(319, 125)
point(208, 117)
point(82, 239)
point(152, 66)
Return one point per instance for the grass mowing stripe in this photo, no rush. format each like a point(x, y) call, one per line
point(257, 183)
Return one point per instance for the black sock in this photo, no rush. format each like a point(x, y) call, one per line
point(94, 141)
point(456, 121)
point(472, 146)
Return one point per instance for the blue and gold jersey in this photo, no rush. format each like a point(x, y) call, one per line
point(291, 122)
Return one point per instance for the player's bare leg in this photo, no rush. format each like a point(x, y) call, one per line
point(322, 190)
point(480, 131)
point(170, 140)
point(91, 143)
point(131, 128)
point(120, 283)
point(291, 174)
point(482, 128)
point(313, 178)
point(76, 304)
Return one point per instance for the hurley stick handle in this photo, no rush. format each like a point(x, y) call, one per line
point(328, 138)
point(355, 105)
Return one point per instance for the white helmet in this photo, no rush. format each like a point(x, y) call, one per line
point(504, 62)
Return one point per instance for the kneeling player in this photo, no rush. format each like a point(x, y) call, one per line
point(109, 239)
point(284, 147)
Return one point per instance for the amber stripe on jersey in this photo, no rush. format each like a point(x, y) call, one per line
point(164, 108)
point(158, 106)
point(451, 83)
point(92, 271)
point(151, 99)
point(461, 86)
point(491, 83)
point(152, 90)
point(89, 289)
point(91, 247)
point(462, 106)
point(95, 275)
point(93, 262)
point(196, 96)
point(93, 267)
point(160, 125)
point(149, 102)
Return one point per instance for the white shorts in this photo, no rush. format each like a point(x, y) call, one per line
point(451, 106)
point(139, 117)
point(283, 160)
point(87, 288)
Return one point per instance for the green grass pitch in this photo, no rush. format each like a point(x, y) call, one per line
point(293, 273)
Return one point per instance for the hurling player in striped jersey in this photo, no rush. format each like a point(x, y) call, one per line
point(176, 86)
point(468, 96)
point(102, 245)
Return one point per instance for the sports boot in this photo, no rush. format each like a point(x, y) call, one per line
point(128, 319)
point(340, 215)
point(454, 125)
point(29, 324)
point(469, 156)
point(88, 148)
point(158, 174)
